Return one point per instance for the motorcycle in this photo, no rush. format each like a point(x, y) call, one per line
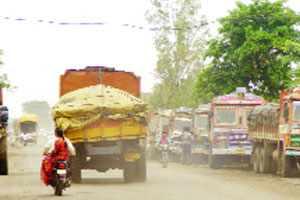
point(164, 148)
point(61, 180)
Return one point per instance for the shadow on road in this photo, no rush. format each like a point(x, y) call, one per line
point(102, 181)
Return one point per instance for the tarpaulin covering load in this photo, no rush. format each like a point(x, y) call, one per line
point(28, 118)
point(265, 115)
point(80, 108)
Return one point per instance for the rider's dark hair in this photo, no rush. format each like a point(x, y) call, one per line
point(60, 133)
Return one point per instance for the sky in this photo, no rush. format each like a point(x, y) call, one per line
point(37, 50)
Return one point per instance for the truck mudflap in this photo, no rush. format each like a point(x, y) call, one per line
point(131, 156)
point(232, 151)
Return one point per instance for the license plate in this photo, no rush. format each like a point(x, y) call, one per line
point(61, 171)
point(240, 151)
point(131, 157)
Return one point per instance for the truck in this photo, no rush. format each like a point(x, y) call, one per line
point(180, 119)
point(274, 131)
point(112, 136)
point(228, 136)
point(28, 125)
point(201, 127)
point(157, 120)
point(3, 137)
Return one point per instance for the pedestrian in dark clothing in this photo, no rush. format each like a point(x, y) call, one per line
point(187, 140)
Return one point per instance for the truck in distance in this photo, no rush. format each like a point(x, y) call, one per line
point(228, 137)
point(201, 127)
point(28, 125)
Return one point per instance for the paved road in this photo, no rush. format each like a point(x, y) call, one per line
point(175, 182)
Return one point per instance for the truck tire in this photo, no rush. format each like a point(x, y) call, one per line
point(256, 160)
point(215, 162)
point(265, 161)
point(3, 158)
point(129, 172)
point(273, 167)
point(76, 169)
point(286, 166)
point(141, 167)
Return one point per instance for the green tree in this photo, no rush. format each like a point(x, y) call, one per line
point(257, 45)
point(42, 110)
point(180, 36)
point(4, 82)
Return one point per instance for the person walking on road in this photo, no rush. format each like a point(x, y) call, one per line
point(187, 140)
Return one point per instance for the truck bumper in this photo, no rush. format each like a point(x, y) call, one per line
point(232, 151)
point(292, 152)
point(200, 151)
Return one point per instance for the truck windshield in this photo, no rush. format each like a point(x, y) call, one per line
point(202, 121)
point(179, 124)
point(154, 124)
point(28, 127)
point(226, 115)
point(296, 111)
point(164, 121)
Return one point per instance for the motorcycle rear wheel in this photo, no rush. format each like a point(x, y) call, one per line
point(59, 188)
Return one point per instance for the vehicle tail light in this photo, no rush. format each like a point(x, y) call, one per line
point(61, 166)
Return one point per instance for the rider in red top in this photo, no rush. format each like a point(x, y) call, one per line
point(60, 152)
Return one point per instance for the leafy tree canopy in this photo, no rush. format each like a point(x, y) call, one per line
point(4, 82)
point(180, 49)
point(257, 45)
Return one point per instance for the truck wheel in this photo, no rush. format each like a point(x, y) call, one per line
point(215, 162)
point(265, 160)
point(3, 158)
point(141, 168)
point(129, 172)
point(286, 166)
point(75, 169)
point(256, 160)
point(273, 167)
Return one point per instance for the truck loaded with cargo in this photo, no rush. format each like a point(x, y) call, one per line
point(180, 122)
point(3, 137)
point(103, 116)
point(157, 121)
point(28, 128)
point(274, 131)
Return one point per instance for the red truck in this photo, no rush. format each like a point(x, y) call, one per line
point(274, 131)
point(3, 137)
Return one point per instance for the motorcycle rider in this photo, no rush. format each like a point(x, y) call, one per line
point(61, 149)
point(164, 139)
